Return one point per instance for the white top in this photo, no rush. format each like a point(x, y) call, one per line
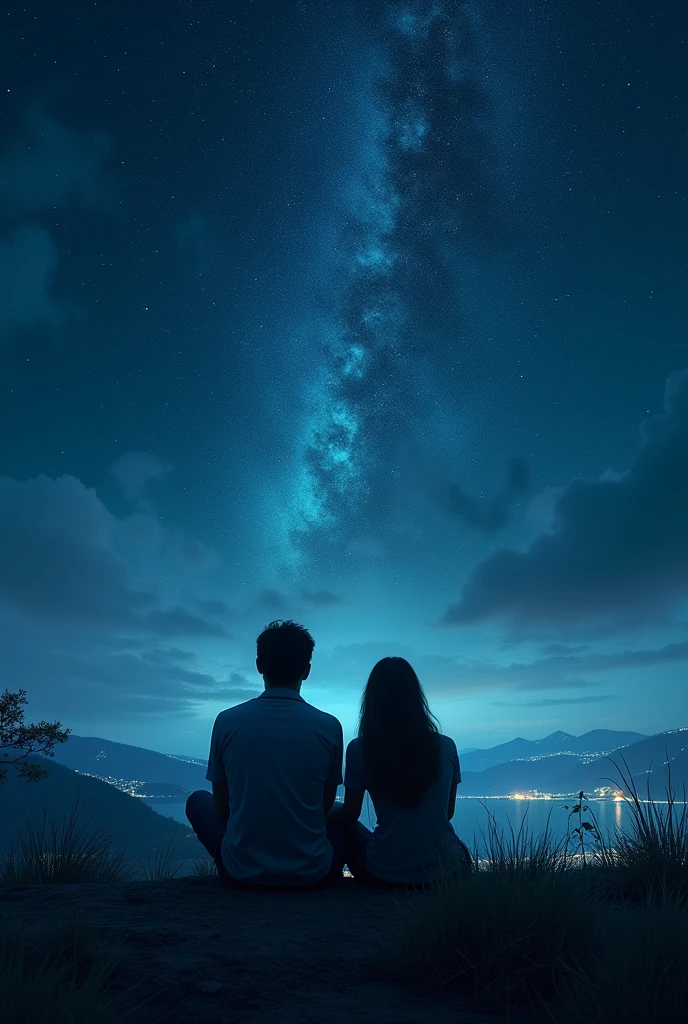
point(277, 753)
point(410, 844)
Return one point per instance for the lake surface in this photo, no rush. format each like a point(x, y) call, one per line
point(471, 816)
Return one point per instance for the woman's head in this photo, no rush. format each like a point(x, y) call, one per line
point(399, 737)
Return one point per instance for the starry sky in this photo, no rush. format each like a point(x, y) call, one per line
point(369, 315)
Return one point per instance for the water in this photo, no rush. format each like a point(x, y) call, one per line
point(471, 816)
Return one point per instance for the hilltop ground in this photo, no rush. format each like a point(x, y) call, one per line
point(270, 958)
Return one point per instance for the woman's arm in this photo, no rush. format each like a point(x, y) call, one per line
point(349, 812)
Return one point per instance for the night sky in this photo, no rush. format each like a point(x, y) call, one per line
point(370, 315)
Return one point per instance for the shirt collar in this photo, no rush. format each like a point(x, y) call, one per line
point(281, 691)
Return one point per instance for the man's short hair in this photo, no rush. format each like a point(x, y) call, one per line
point(284, 650)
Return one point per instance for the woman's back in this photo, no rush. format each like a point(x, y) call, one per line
point(410, 843)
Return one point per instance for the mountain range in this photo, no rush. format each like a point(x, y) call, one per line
point(568, 773)
point(558, 763)
point(134, 825)
point(108, 777)
point(130, 768)
point(598, 741)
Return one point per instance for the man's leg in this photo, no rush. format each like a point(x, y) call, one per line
point(210, 830)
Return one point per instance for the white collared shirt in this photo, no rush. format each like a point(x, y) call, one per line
point(276, 753)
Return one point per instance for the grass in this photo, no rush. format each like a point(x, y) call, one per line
point(533, 926)
point(205, 868)
point(65, 974)
point(73, 851)
point(507, 933)
point(642, 977)
point(518, 851)
point(650, 856)
point(161, 867)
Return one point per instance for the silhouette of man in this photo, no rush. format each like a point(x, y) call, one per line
point(275, 763)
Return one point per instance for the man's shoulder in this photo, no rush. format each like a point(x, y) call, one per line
point(229, 715)
point(324, 718)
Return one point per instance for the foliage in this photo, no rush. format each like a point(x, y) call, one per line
point(205, 867)
point(585, 831)
point(64, 973)
point(519, 850)
point(18, 741)
point(161, 867)
point(46, 853)
point(506, 936)
point(651, 854)
point(642, 976)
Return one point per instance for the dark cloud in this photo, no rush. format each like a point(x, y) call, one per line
point(170, 654)
point(234, 694)
point(48, 164)
point(554, 702)
point(74, 677)
point(271, 599)
point(617, 553)
point(180, 622)
point(321, 598)
point(349, 666)
point(134, 471)
point(28, 261)
point(60, 561)
point(486, 514)
point(43, 167)
point(214, 606)
point(552, 650)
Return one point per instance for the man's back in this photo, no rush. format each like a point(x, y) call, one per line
point(277, 754)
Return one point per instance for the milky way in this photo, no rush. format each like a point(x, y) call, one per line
point(422, 193)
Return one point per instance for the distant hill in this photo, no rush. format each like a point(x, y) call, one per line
point(598, 741)
point(567, 773)
point(139, 826)
point(127, 764)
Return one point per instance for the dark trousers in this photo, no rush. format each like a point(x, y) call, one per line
point(210, 831)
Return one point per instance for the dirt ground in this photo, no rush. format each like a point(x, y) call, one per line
point(209, 954)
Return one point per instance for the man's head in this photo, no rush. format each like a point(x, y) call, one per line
point(284, 650)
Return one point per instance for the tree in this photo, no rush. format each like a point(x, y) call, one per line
point(18, 741)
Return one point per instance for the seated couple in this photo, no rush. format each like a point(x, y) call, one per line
point(275, 763)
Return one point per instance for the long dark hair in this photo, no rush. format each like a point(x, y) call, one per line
point(401, 744)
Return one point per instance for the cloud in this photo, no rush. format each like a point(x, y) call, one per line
point(321, 598)
point(617, 553)
point(28, 261)
point(48, 164)
point(61, 561)
point(214, 606)
point(134, 471)
point(490, 514)
point(552, 702)
point(45, 166)
point(271, 599)
point(348, 666)
point(180, 622)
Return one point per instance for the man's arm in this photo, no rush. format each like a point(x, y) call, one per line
point(350, 811)
point(329, 796)
point(221, 800)
point(334, 779)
